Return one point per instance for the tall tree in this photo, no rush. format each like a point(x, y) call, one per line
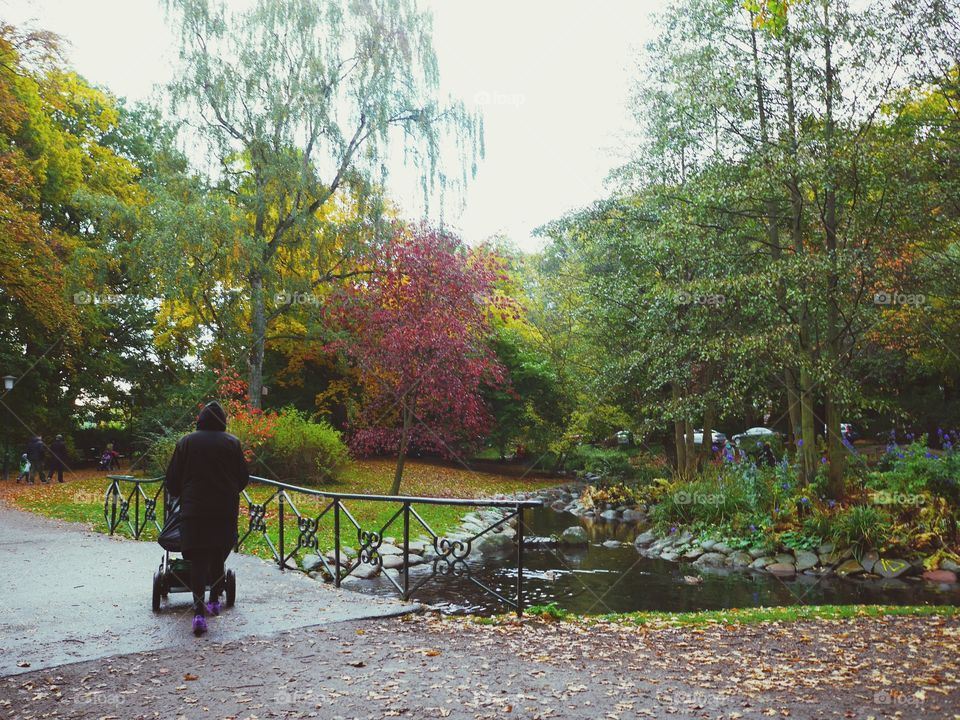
point(418, 333)
point(300, 99)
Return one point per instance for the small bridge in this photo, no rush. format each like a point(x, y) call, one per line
point(307, 528)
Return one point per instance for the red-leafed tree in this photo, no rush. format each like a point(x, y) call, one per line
point(418, 326)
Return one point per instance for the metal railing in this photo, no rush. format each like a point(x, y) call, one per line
point(296, 531)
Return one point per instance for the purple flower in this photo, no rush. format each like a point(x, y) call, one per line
point(823, 460)
point(800, 442)
point(900, 455)
point(930, 455)
point(673, 529)
point(805, 500)
point(753, 528)
point(715, 448)
point(831, 504)
point(909, 436)
point(785, 486)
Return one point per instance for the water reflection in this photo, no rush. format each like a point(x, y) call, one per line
point(599, 579)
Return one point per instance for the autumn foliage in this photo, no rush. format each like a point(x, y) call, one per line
point(417, 326)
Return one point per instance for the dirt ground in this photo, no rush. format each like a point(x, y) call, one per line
point(425, 667)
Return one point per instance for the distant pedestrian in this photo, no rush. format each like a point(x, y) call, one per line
point(109, 458)
point(767, 456)
point(36, 452)
point(58, 458)
point(24, 469)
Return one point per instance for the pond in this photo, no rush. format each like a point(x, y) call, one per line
point(599, 579)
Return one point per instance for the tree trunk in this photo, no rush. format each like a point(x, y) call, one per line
point(407, 412)
point(804, 390)
point(808, 454)
point(706, 440)
point(679, 439)
point(258, 331)
point(793, 404)
point(835, 449)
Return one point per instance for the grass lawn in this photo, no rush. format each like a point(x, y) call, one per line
point(736, 616)
point(81, 499)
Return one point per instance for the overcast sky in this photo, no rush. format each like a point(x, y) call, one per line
point(551, 77)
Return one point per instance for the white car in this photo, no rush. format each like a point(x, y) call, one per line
point(717, 438)
point(755, 434)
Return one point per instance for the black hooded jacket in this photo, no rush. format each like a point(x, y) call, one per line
point(36, 451)
point(208, 470)
point(58, 454)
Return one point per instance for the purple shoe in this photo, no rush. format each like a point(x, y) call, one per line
point(214, 608)
point(199, 625)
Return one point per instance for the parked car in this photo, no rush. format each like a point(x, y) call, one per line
point(716, 437)
point(847, 430)
point(755, 434)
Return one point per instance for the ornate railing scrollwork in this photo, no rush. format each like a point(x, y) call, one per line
point(437, 558)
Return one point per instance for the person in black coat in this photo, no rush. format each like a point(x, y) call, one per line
point(58, 458)
point(36, 452)
point(207, 472)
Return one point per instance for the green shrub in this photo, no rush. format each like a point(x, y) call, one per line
point(820, 524)
point(861, 527)
point(159, 451)
point(795, 540)
point(921, 471)
point(610, 463)
point(299, 450)
point(707, 500)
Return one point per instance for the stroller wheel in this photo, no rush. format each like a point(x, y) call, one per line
point(157, 590)
point(230, 584)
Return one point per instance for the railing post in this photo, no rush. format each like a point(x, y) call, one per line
point(136, 511)
point(406, 550)
point(282, 561)
point(114, 491)
point(519, 560)
point(336, 542)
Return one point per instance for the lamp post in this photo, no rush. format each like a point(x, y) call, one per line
point(8, 383)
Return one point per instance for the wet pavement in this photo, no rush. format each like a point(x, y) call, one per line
point(68, 594)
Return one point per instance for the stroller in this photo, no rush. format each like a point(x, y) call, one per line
point(173, 576)
point(108, 460)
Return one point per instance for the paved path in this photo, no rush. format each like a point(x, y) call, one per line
point(68, 594)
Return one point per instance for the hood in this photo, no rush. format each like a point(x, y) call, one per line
point(212, 417)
